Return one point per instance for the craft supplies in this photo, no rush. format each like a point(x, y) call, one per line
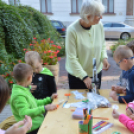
point(115, 107)
point(116, 132)
point(101, 126)
point(64, 103)
point(60, 102)
point(85, 127)
point(78, 114)
point(124, 101)
point(101, 118)
point(78, 95)
point(67, 94)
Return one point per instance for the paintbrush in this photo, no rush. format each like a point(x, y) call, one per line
point(124, 101)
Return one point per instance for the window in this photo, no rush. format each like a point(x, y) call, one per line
point(76, 6)
point(56, 24)
point(107, 25)
point(118, 25)
point(45, 6)
point(130, 6)
point(14, 2)
point(109, 6)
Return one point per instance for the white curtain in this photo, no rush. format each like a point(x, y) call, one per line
point(43, 6)
point(79, 5)
point(111, 6)
point(73, 6)
point(105, 2)
point(49, 6)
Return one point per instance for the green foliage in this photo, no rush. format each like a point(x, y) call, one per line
point(120, 42)
point(18, 26)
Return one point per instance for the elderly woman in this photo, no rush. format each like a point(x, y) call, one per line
point(26, 124)
point(85, 41)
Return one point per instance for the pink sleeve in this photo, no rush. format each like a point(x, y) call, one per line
point(2, 131)
point(127, 122)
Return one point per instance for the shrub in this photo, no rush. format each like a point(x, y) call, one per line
point(120, 42)
point(18, 26)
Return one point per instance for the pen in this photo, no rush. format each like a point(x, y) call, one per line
point(64, 103)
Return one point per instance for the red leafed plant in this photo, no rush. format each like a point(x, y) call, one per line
point(47, 50)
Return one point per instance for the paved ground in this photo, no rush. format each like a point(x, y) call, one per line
point(109, 78)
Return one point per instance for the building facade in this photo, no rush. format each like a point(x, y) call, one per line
point(67, 11)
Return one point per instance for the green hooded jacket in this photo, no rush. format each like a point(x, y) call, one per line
point(23, 103)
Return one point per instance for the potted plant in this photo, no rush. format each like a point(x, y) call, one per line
point(48, 52)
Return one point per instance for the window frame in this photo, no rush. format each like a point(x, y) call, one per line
point(108, 8)
point(14, 2)
point(76, 7)
point(45, 7)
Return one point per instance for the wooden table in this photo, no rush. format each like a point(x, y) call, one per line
point(60, 121)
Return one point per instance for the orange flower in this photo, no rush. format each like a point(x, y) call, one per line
point(51, 57)
point(51, 41)
point(10, 81)
point(31, 44)
point(19, 61)
point(49, 51)
point(59, 47)
point(45, 52)
point(43, 40)
point(34, 38)
point(24, 49)
point(58, 51)
point(54, 45)
point(45, 63)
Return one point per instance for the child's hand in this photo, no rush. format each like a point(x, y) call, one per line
point(124, 91)
point(54, 96)
point(50, 107)
point(118, 89)
point(113, 88)
point(129, 111)
point(115, 114)
point(131, 116)
point(113, 95)
point(33, 88)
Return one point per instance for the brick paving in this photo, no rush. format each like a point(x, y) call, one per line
point(109, 78)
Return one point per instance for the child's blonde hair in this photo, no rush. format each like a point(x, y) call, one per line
point(131, 45)
point(122, 52)
point(31, 57)
point(21, 71)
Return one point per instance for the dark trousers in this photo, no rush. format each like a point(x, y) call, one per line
point(77, 83)
point(34, 132)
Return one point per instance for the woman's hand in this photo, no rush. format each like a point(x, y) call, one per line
point(87, 82)
point(115, 114)
point(16, 129)
point(106, 65)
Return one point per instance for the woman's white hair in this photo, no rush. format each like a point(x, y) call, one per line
point(91, 8)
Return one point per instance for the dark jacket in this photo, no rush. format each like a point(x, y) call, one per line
point(130, 86)
point(46, 85)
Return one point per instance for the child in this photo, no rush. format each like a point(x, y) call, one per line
point(121, 85)
point(22, 101)
point(124, 58)
point(42, 77)
point(126, 121)
point(15, 129)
